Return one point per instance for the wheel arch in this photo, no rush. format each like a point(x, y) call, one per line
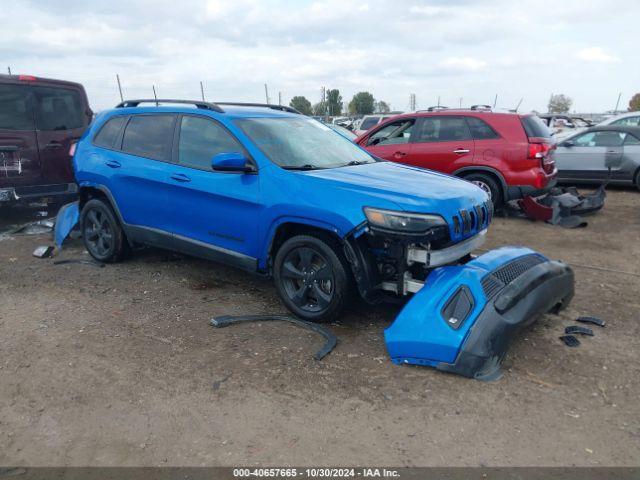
point(88, 192)
point(495, 174)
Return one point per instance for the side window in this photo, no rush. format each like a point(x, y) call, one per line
point(480, 130)
point(631, 140)
point(15, 108)
point(201, 139)
point(149, 136)
point(443, 129)
point(586, 140)
point(393, 134)
point(628, 122)
point(109, 132)
point(599, 139)
point(58, 109)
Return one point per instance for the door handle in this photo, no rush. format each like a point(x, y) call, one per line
point(112, 164)
point(179, 177)
point(612, 151)
point(461, 150)
point(400, 154)
point(53, 145)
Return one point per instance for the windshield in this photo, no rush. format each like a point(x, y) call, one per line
point(302, 143)
point(369, 122)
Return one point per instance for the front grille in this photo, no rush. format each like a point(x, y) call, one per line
point(471, 221)
point(496, 280)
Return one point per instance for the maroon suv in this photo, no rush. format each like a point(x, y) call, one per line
point(39, 121)
point(508, 155)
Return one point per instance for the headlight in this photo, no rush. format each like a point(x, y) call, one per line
point(401, 221)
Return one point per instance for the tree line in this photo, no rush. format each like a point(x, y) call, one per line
point(362, 103)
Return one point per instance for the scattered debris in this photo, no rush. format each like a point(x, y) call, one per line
point(66, 221)
point(44, 251)
point(570, 340)
point(32, 228)
point(217, 383)
point(331, 339)
point(578, 329)
point(594, 320)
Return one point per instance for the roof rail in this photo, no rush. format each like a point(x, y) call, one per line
point(282, 108)
point(434, 108)
point(196, 103)
point(480, 107)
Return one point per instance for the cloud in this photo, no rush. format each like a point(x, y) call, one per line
point(464, 63)
point(597, 54)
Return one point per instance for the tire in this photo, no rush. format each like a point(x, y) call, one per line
point(637, 180)
point(489, 185)
point(312, 277)
point(102, 235)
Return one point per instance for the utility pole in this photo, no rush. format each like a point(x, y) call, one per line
point(412, 102)
point(460, 102)
point(266, 93)
point(279, 98)
point(617, 104)
point(119, 87)
point(323, 102)
point(154, 95)
point(202, 90)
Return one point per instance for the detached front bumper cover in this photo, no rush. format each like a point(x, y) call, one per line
point(464, 318)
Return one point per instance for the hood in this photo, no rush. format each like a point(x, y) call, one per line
point(411, 189)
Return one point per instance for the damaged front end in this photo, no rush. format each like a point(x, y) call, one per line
point(464, 310)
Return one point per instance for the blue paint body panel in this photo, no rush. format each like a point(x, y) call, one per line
point(67, 219)
point(420, 334)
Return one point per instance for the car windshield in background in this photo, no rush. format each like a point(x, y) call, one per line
point(368, 122)
point(535, 127)
point(302, 143)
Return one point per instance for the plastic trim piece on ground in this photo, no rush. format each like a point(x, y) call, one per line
point(67, 219)
point(331, 339)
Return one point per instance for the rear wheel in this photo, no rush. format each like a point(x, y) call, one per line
point(102, 235)
point(311, 277)
point(488, 184)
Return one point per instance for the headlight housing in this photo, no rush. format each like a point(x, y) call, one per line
point(402, 221)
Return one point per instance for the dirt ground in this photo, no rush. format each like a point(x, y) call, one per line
point(119, 366)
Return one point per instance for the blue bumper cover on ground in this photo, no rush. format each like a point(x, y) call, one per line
point(464, 317)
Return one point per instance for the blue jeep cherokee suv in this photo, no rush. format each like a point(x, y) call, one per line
point(271, 191)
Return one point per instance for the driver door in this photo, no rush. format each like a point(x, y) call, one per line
point(585, 156)
point(215, 214)
point(391, 141)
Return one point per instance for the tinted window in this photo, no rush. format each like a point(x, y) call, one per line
point(149, 136)
point(15, 108)
point(442, 129)
point(58, 109)
point(368, 122)
point(629, 121)
point(480, 130)
point(392, 134)
point(201, 139)
point(534, 127)
point(109, 132)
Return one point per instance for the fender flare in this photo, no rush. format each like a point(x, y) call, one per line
point(483, 168)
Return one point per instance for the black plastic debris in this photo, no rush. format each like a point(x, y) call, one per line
point(573, 329)
point(44, 251)
point(570, 340)
point(331, 339)
point(593, 320)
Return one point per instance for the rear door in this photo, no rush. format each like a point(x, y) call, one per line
point(630, 158)
point(441, 143)
point(584, 157)
point(19, 159)
point(392, 141)
point(211, 208)
point(61, 117)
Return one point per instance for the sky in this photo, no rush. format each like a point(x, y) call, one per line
point(459, 51)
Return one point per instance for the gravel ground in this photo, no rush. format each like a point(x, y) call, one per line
point(118, 366)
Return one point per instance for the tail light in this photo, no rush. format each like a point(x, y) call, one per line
point(27, 78)
point(72, 149)
point(540, 149)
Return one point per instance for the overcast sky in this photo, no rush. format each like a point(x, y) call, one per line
point(587, 49)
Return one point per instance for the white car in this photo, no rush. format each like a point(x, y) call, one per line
point(630, 119)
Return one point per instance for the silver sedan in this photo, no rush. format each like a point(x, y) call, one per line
point(587, 156)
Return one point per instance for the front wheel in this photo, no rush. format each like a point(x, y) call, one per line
point(311, 278)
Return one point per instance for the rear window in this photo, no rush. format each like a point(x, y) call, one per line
point(368, 122)
point(109, 132)
point(15, 108)
point(149, 136)
point(58, 109)
point(535, 127)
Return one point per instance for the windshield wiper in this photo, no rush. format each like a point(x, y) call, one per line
point(306, 166)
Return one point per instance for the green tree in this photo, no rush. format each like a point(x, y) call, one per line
point(334, 102)
point(560, 103)
point(382, 107)
point(634, 103)
point(362, 103)
point(320, 109)
point(301, 104)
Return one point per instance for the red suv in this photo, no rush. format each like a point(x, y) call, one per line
point(506, 154)
point(39, 121)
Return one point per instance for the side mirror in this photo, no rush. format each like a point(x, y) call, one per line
point(231, 162)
